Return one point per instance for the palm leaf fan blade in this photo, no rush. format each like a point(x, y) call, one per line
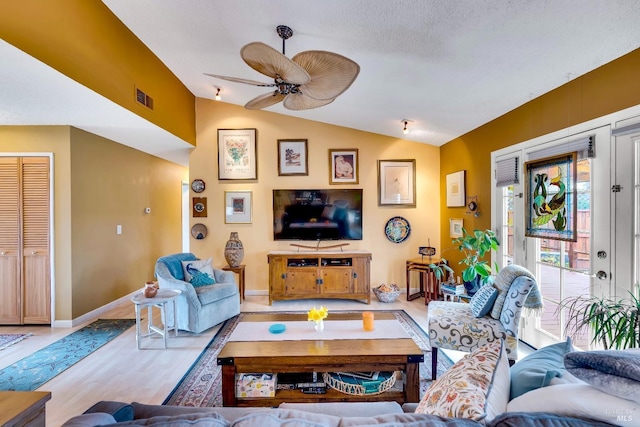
point(264, 101)
point(299, 101)
point(240, 80)
point(268, 61)
point(331, 73)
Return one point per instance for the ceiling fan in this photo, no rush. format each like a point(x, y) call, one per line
point(310, 79)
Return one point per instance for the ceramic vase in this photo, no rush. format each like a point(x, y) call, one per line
point(150, 290)
point(319, 326)
point(233, 250)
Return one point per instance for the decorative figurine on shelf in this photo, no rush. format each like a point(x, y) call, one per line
point(427, 250)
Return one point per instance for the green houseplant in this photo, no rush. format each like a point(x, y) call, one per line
point(614, 324)
point(474, 247)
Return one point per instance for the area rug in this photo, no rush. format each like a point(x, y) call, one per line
point(7, 340)
point(202, 384)
point(31, 372)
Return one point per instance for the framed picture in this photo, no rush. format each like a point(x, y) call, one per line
point(237, 155)
point(292, 157)
point(397, 182)
point(551, 198)
point(199, 207)
point(343, 166)
point(455, 189)
point(237, 207)
point(455, 227)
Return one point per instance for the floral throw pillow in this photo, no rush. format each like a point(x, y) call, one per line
point(199, 273)
point(476, 387)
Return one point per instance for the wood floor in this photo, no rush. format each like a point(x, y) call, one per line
point(118, 371)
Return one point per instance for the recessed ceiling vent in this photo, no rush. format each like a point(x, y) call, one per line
point(144, 99)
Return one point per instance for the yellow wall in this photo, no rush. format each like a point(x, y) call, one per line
point(86, 42)
point(112, 184)
point(610, 88)
point(388, 264)
point(98, 184)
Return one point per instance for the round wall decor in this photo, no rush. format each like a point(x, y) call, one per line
point(397, 229)
point(197, 185)
point(199, 231)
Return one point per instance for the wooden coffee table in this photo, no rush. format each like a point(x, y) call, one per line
point(350, 355)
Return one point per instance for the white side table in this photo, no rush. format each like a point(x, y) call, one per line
point(160, 300)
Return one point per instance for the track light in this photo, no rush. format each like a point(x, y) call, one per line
point(405, 122)
point(218, 97)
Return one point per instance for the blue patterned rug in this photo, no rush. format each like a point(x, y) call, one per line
point(202, 384)
point(31, 372)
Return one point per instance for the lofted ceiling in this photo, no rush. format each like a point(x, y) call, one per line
point(447, 66)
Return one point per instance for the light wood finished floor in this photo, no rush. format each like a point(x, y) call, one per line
point(118, 371)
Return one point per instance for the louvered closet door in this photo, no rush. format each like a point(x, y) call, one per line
point(35, 240)
point(10, 279)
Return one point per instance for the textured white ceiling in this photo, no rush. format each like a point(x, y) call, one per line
point(448, 66)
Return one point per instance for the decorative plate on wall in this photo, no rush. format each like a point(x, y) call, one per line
point(197, 185)
point(199, 231)
point(397, 229)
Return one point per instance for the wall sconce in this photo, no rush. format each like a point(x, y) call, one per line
point(405, 122)
point(218, 97)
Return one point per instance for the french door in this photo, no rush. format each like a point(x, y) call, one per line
point(563, 269)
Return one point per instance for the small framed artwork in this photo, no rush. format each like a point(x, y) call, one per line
point(343, 166)
point(397, 182)
point(455, 227)
point(292, 157)
point(199, 207)
point(551, 198)
point(237, 154)
point(455, 189)
point(237, 207)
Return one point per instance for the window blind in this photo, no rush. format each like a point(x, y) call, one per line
point(626, 130)
point(507, 172)
point(586, 147)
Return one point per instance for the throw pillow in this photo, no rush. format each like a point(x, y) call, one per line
point(615, 372)
point(503, 282)
point(578, 400)
point(199, 273)
point(476, 387)
point(538, 368)
point(482, 301)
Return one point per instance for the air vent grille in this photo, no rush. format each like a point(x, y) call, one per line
point(144, 99)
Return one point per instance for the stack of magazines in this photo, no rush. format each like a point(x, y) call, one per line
point(452, 288)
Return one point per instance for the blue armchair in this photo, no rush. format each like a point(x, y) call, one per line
point(199, 308)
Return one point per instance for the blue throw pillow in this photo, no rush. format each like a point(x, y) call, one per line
point(199, 273)
point(482, 301)
point(539, 368)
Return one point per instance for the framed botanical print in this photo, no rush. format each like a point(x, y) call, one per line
point(292, 157)
point(551, 198)
point(397, 182)
point(237, 154)
point(237, 207)
point(343, 166)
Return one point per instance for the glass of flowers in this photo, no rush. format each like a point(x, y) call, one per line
point(318, 315)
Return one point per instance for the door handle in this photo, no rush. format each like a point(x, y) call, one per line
point(600, 275)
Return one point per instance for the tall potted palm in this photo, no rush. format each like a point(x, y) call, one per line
point(614, 324)
point(474, 247)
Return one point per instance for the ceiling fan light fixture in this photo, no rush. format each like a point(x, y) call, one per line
point(310, 79)
point(218, 97)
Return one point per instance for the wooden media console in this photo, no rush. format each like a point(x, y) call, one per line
point(305, 275)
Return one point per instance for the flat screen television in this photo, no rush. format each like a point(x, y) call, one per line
point(333, 214)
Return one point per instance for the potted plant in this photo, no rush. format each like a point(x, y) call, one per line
point(614, 324)
point(474, 247)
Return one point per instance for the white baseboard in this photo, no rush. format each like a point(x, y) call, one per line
point(92, 315)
